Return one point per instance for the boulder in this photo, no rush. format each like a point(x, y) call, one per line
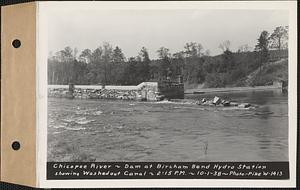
point(203, 100)
point(119, 97)
point(160, 97)
point(209, 103)
point(244, 105)
point(139, 97)
point(226, 103)
point(216, 100)
point(205, 103)
point(233, 104)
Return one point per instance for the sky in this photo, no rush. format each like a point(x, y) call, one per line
point(133, 29)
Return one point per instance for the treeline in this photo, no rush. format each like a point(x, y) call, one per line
point(107, 65)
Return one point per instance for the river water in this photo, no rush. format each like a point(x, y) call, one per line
point(104, 130)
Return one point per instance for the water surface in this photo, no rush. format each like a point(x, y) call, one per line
point(103, 130)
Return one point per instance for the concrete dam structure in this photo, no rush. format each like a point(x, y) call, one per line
point(146, 91)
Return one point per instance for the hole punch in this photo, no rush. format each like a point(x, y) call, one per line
point(16, 145)
point(16, 43)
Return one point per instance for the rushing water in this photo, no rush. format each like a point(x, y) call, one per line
point(102, 130)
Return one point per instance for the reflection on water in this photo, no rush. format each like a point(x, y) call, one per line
point(144, 131)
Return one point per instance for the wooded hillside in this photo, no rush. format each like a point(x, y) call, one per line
point(107, 64)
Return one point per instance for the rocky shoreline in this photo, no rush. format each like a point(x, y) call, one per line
point(217, 101)
point(214, 102)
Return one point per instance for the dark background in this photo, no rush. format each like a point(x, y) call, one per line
point(7, 186)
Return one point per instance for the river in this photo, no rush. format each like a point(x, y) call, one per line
point(107, 130)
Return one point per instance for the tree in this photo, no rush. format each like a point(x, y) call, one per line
point(86, 56)
point(179, 55)
point(207, 52)
point(66, 71)
point(228, 61)
point(96, 56)
point(163, 52)
point(279, 38)
point(65, 55)
point(95, 74)
point(144, 65)
point(262, 46)
point(244, 48)
point(107, 59)
point(75, 52)
point(118, 56)
point(193, 49)
point(107, 52)
point(130, 72)
point(117, 69)
point(225, 46)
point(164, 63)
point(144, 54)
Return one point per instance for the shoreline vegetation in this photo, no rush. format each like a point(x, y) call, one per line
point(263, 65)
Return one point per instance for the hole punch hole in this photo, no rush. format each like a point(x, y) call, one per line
point(16, 43)
point(16, 145)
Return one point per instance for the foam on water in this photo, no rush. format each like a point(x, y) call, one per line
point(68, 120)
point(237, 108)
point(78, 120)
point(173, 102)
point(88, 112)
point(59, 126)
point(63, 128)
point(99, 112)
point(75, 128)
point(83, 121)
point(194, 108)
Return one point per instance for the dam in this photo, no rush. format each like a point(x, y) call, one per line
point(145, 91)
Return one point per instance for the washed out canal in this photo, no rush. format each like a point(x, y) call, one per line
point(108, 130)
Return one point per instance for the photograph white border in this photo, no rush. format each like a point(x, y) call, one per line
point(44, 11)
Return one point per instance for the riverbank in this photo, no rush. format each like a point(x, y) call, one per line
point(276, 85)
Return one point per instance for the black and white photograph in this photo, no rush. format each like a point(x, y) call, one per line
point(146, 93)
point(149, 94)
point(168, 85)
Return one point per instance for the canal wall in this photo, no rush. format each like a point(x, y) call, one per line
point(147, 91)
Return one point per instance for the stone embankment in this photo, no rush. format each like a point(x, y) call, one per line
point(144, 91)
point(95, 94)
